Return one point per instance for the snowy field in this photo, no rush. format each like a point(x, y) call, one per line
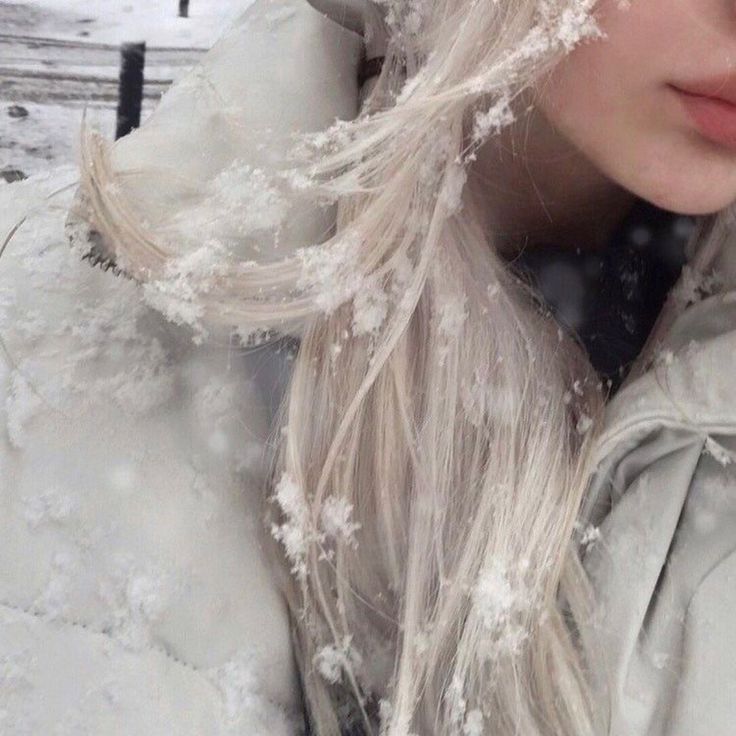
point(59, 58)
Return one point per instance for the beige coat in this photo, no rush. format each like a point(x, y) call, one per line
point(135, 595)
point(664, 503)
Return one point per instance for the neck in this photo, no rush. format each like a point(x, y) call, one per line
point(538, 189)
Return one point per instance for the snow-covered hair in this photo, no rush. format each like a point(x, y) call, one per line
point(435, 440)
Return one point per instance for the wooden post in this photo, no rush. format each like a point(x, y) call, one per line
point(130, 94)
point(183, 8)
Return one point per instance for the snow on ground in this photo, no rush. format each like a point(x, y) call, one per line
point(115, 21)
point(60, 57)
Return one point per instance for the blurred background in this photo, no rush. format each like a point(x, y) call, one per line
point(60, 57)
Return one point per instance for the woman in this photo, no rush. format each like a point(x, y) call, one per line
point(469, 544)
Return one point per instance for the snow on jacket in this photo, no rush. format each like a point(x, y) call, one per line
point(136, 596)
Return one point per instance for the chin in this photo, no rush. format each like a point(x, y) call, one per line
point(686, 197)
point(694, 203)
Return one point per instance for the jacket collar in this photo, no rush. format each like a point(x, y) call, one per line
point(692, 382)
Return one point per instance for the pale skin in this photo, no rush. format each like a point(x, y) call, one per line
point(605, 127)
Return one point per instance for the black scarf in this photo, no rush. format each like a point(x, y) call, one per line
point(611, 298)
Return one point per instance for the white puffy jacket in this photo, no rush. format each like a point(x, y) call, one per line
point(135, 595)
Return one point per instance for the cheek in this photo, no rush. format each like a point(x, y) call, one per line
point(610, 100)
point(604, 86)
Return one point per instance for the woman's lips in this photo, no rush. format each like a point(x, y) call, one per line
point(714, 117)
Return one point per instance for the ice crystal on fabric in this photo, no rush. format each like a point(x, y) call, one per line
point(53, 601)
point(246, 710)
point(718, 452)
point(21, 405)
point(178, 294)
point(587, 535)
point(694, 285)
point(137, 597)
point(52, 505)
point(240, 200)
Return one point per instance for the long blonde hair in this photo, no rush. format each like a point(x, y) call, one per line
point(435, 440)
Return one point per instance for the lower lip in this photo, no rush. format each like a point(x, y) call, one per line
point(715, 119)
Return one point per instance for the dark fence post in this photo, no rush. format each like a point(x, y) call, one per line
point(130, 95)
point(183, 8)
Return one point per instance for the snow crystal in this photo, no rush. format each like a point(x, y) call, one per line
point(293, 532)
point(421, 642)
point(177, 294)
point(499, 601)
point(494, 595)
point(240, 200)
point(246, 709)
point(665, 357)
point(334, 659)
point(718, 452)
point(401, 274)
point(576, 24)
point(455, 696)
point(48, 506)
point(329, 662)
point(53, 601)
point(329, 273)
point(136, 598)
point(452, 192)
point(385, 711)
point(337, 520)
point(452, 313)
point(16, 669)
point(473, 725)
point(589, 535)
point(498, 116)
point(536, 43)
point(370, 307)
point(484, 398)
point(584, 424)
point(694, 285)
point(21, 405)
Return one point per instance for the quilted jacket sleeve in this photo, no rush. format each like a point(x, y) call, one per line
point(136, 593)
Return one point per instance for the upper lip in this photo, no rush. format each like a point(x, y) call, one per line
point(718, 88)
